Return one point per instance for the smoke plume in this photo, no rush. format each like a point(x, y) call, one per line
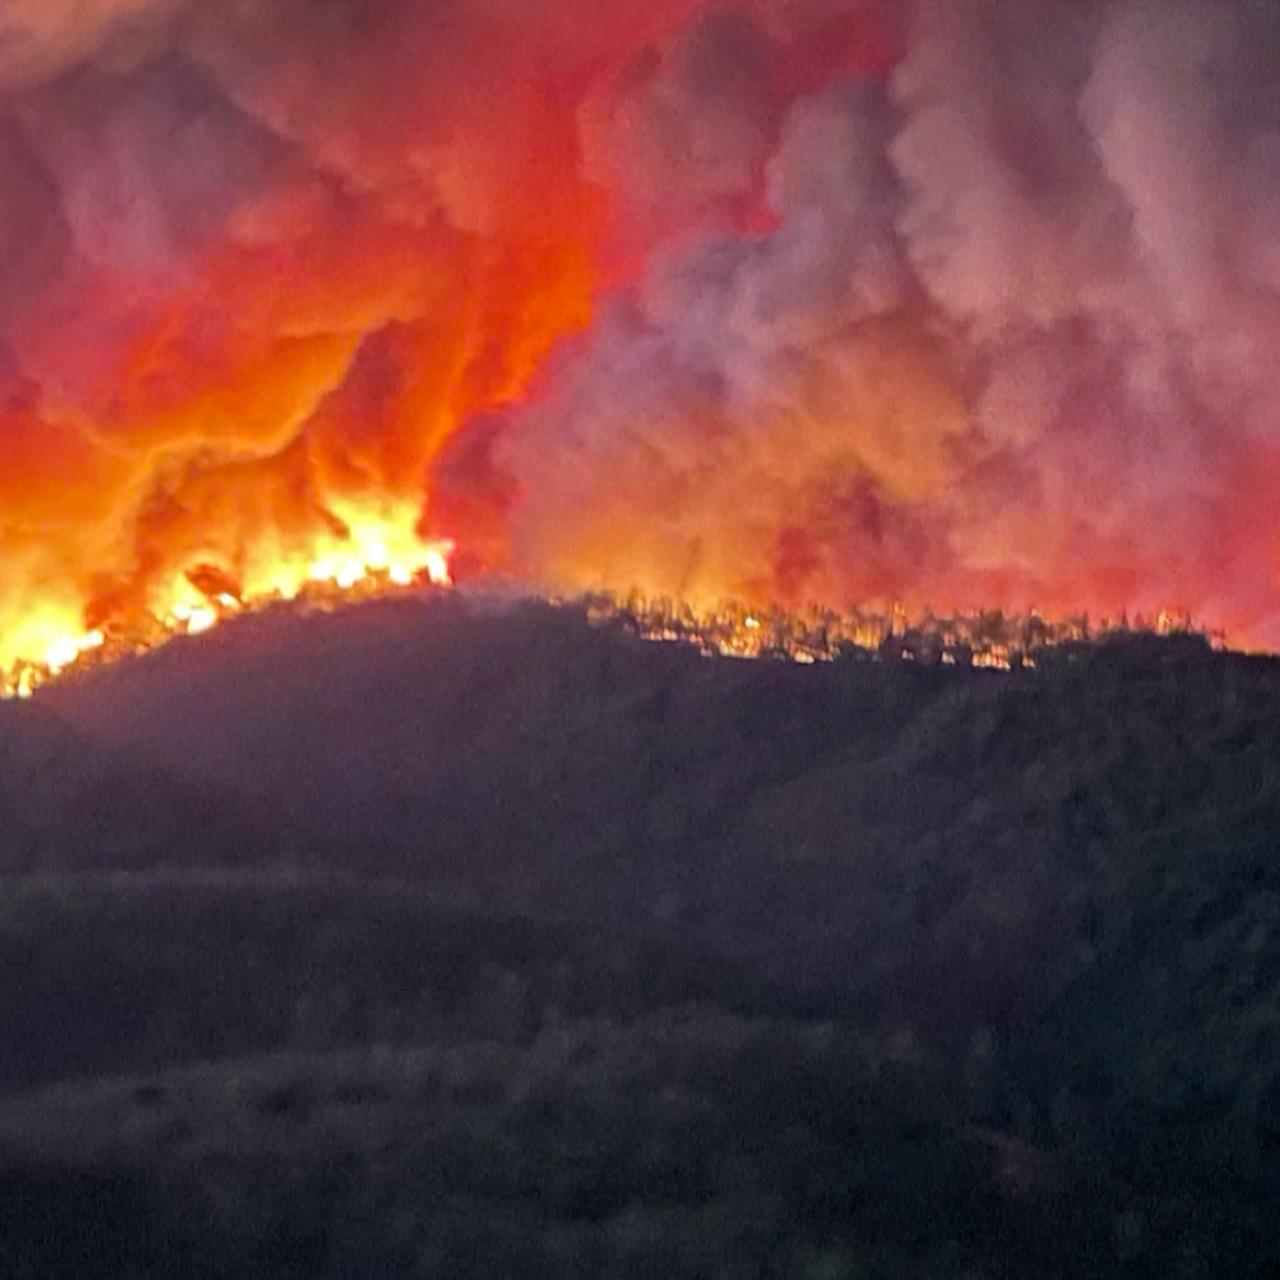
point(962, 302)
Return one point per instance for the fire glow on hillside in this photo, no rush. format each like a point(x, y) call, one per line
point(731, 629)
point(765, 300)
point(370, 560)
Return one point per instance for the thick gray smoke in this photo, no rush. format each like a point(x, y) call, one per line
point(1010, 333)
point(950, 301)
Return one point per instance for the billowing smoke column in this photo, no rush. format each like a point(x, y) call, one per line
point(969, 302)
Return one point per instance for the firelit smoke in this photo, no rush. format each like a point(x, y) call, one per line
point(956, 302)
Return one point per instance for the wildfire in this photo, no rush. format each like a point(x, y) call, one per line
point(374, 554)
point(984, 639)
point(745, 300)
point(382, 557)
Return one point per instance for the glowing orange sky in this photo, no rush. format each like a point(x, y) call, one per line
point(791, 299)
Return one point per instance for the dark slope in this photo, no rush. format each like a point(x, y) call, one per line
point(70, 802)
point(986, 835)
point(1039, 913)
point(495, 746)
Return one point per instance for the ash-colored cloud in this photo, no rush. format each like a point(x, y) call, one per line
point(959, 300)
point(1023, 289)
point(690, 123)
point(40, 39)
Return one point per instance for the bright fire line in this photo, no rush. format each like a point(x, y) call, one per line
point(377, 557)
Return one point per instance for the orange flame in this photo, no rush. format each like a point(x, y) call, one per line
point(381, 555)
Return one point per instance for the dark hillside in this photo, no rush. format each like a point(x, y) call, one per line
point(1035, 916)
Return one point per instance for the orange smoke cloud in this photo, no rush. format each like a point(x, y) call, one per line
point(788, 299)
point(281, 256)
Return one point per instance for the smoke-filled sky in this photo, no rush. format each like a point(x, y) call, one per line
point(967, 302)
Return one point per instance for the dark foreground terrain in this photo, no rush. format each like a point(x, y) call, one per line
point(437, 940)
